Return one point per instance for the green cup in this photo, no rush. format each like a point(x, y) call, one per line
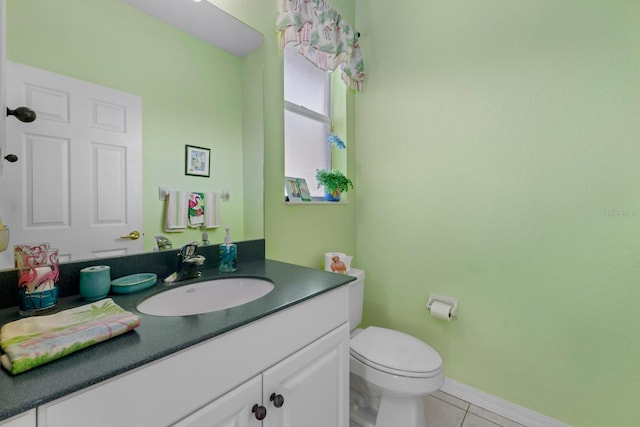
point(95, 282)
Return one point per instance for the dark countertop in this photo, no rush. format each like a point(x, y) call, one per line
point(156, 337)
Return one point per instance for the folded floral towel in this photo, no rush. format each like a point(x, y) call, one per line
point(33, 341)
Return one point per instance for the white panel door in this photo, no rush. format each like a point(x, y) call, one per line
point(3, 104)
point(78, 181)
point(311, 387)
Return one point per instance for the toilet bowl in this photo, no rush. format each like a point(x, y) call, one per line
point(390, 371)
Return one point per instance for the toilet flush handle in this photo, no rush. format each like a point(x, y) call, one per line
point(277, 400)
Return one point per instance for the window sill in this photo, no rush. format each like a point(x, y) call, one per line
point(314, 201)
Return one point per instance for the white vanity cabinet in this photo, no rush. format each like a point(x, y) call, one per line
point(300, 353)
point(308, 388)
point(28, 419)
point(311, 387)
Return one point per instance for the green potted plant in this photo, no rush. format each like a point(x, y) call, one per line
point(334, 183)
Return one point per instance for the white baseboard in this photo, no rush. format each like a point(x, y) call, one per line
point(499, 406)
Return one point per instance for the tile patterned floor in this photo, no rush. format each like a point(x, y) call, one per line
point(445, 410)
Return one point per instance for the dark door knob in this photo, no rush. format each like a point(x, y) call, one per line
point(277, 400)
point(259, 411)
point(24, 114)
point(11, 158)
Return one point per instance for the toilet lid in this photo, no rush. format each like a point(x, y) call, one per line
point(395, 352)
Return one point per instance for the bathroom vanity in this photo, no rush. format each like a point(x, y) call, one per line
point(282, 360)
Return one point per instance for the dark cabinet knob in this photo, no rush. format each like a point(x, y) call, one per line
point(24, 114)
point(259, 411)
point(11, 158)
point(277, 400)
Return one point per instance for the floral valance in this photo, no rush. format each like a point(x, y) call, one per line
point(323, 37)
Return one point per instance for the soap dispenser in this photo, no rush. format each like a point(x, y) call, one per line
point(228, 254)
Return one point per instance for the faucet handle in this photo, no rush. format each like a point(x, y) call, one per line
point(188, 250)
point(196, 260)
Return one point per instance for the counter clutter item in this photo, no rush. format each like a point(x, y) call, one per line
point(39, 275)
point(95, 282)
point(133, 283)
point(228, 254)
point(31, 342)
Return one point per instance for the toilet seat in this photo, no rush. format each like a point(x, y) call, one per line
point(396, 353)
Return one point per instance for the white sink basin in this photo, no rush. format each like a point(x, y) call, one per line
point(206, 297)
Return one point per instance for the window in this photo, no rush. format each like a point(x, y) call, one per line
point(307, 118)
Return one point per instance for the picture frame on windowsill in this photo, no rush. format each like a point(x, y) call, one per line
point(297, 189)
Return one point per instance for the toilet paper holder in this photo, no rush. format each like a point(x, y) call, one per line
point(453, 302)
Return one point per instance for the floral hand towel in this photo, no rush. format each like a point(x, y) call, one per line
point(34, 341)
point(196, 209)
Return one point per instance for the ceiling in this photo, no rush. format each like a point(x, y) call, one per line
point(205, 21)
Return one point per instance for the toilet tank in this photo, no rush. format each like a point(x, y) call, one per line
point(356, 297)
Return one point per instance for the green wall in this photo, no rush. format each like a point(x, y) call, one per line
point(177, 77)
point(497, 162)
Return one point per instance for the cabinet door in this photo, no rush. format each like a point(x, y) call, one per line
point(234, 409)
point(28, 419)
point(311, 387)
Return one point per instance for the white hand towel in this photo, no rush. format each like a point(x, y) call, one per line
point(176, 215)
point(212, 210)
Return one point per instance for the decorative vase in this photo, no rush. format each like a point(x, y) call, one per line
point(332, 196)
point(38, 277)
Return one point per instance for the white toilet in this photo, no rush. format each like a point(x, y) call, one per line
point(390, 371)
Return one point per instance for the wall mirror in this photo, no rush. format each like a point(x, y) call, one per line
point(192, 92)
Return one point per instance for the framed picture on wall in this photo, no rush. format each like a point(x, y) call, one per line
point(297, 189)
point(197, 161)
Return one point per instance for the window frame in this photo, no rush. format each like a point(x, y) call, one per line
point(324, 119)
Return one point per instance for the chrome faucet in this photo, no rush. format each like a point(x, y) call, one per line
point(188, 263)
